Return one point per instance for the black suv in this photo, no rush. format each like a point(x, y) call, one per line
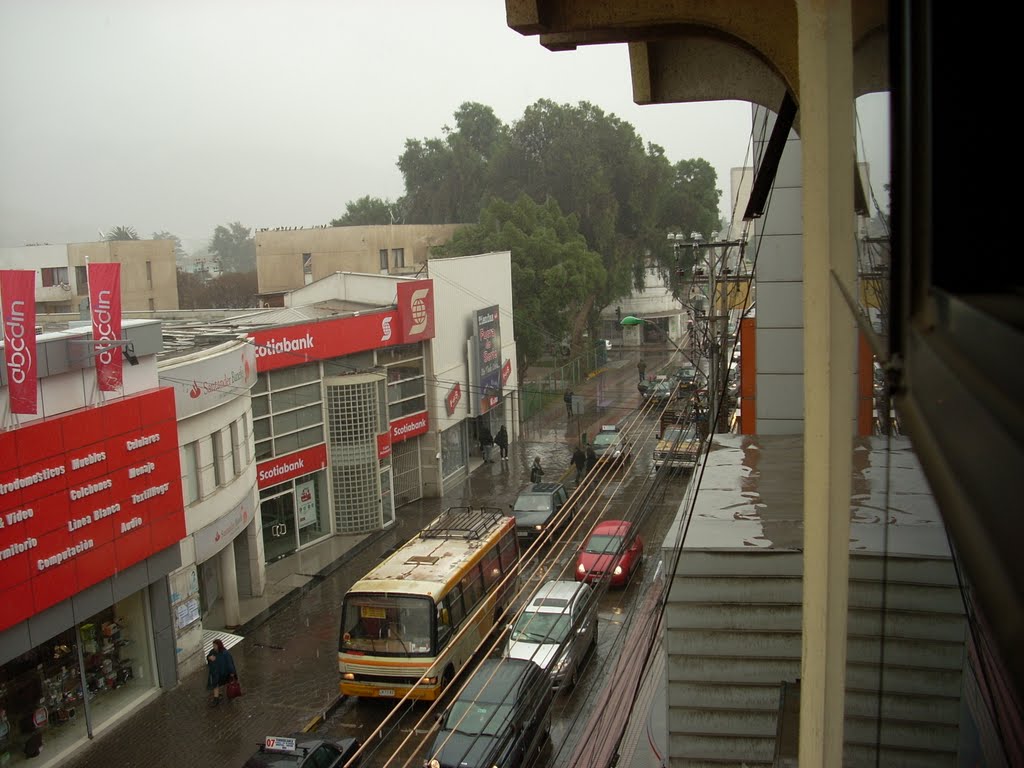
point(501, 718)
point(537, 506)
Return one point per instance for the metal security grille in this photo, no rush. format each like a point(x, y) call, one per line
point(405, 463)
point(353, 416)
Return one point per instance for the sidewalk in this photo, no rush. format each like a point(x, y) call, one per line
point(287, 654)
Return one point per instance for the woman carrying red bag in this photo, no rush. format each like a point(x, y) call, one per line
point(220, 673)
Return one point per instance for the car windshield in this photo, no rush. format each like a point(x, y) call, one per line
point(605, 439)
point(673, 434)
point(475, 718)
point(601, 544)
point(387, 625)
point(541, 628)
point(533, 503)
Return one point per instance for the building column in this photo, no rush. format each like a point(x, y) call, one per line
point(229, 586)
point(827, 137)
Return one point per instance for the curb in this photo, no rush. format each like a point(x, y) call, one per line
point(318, 719)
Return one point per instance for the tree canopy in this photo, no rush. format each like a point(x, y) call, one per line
point(179, 251)
point(370, 210)
point(555, 276)
point(233, 290)
point(121, 233)
point(234, 247)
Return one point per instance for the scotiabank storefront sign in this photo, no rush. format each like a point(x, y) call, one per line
point(285, 346)
point(85, 495)
point(409, 426)
point(297, 464)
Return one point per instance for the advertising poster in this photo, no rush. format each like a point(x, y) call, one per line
point(305, 503)
point(488, 355)
point(105, 307)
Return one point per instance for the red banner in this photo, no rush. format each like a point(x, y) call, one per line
point(105, 304)
point(383, 446)
point(416, 309)
point(18, 297)
point(452, 398)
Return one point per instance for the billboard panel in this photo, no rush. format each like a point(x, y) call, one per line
point(488, 357)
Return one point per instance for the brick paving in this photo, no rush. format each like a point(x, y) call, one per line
point(288, 664)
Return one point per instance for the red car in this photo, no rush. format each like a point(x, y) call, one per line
point(612, 549)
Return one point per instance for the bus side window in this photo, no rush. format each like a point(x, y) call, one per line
point(458, 613)
point(508, 549)
point(444, 626)
point(492, 569)
point(472, 588)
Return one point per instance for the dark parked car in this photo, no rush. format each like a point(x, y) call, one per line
point(302, 751)
point(501, 718)
point(537, 508)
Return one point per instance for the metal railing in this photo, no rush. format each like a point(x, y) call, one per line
point(537, 394)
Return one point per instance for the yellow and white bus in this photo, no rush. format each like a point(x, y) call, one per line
point(404, 620)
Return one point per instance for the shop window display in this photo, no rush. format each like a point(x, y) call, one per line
point(42, 696)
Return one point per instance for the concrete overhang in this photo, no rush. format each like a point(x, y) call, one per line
point(687, 51)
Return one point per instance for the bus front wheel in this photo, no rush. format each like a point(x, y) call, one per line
point(446, 679)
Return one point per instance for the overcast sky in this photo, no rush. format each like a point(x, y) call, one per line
point(183, 115)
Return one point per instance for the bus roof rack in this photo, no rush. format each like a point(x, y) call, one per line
point(462, 523)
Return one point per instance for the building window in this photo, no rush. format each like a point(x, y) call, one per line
point(54, 276)
point(307, 263)
point(82, 279)
point(149, 273)
point(152, 305)
point(384, 259)
point(190, 467)
point(237, 448)
point(398, 256)
point(217, 438)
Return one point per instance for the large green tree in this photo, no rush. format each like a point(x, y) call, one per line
point(556, 278)
point(370, 210)
point(234, 247)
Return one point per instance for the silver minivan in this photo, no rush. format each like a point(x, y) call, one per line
point(556, 630)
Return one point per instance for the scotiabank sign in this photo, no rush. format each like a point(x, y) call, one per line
point(293, 465)
point(409, 426)
point(85, 495)
point(285, 346)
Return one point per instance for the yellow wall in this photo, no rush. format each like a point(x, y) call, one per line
point(136, 288)
point(341, 249)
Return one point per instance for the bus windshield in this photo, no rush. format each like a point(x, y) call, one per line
point(387, 625)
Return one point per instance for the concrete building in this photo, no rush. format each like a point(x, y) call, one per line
point(90, 490)
point(804, 64)
point(149, 279)
point(287, 259)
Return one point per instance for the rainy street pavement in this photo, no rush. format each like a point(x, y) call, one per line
point(288, 664)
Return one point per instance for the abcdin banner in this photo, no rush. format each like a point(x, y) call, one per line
point(18, 309)
point(105, 308)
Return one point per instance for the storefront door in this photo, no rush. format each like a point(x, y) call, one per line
point(387, 499)
point(279, 535)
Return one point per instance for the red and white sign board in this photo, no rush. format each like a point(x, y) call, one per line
point(416, 309)
point(290, 466)
point(286, 346)
point(383, 446)
point(85, 495)
point(409, 426)
point(105, 309)
point(452, 398)
point(18, 310)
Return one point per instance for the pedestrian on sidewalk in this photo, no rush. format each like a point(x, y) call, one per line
point(220, 670)
point(501, 440)
point(536, 471)
point(641, 368)
point(486, 441)
point(579, 460)
point(591, 458)
point(568, 402)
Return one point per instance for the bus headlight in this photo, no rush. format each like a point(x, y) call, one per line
point(430, 681)
point(348, 676)
point(618, 570)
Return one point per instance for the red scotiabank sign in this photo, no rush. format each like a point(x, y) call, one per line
point(285, 346)
point(291, 465)
point(85, 495)
point(409, 426)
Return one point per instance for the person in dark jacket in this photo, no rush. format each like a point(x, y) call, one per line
point(591, 458)
point(567, 397)
point(536, 471)
point(579, 460)
point(220, 669)
point(501, 440)
point(486, 441)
